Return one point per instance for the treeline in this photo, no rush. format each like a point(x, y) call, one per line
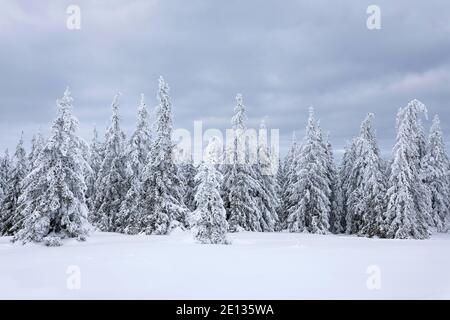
point(65, 187)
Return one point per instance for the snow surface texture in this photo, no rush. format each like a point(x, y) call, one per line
point(256, 266)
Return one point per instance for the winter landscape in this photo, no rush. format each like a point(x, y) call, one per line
point(152, 210)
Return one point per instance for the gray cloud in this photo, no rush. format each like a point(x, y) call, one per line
point(283, 56)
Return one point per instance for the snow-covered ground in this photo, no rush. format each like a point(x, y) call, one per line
point(255, 266)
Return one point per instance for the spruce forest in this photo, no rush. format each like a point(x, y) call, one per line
point(65, 187)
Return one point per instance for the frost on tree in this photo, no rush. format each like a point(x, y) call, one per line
point(5, 171)
point(53, 202)
point(210, 224)
point(10, 218)
point(435, 174)
point(137, 153)
point(242, 192)
point(160, 200)
point(309, 193)
point(112, 182)
point(366, 203)
point(408, 198)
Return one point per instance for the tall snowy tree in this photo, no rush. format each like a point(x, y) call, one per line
point(53, 202)
point(334, 185)
point(95, 162)
point(140, 141)
point(137, 153)
point(241, 187)
point(346, 177)
point(408, 198)
point(210, 224)
point(9, 216)
point(435, 174)
point(160, 200)
point(366, 203)
point(310, 194)
point(112, 182)
point(266, 174)
point(5, 172)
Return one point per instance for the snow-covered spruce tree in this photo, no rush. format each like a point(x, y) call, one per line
point(241, 189)
point(265, 171)
point(187, 172)
point(288, 178)
point(9, 215)
point(334, 185)
point(310, 193)
point(210, 224)
point(37, 143)
point(408, 198)
point(53, 202)
point(367, 202)
point(95, 162)
point(346, 184)
point(366, 139)
point(160, 200)
point(137, 153)
point(5, 171)
point(435, 174)
point(112, 182)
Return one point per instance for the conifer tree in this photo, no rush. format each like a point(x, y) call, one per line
point(112, 182)
point(435, 174)
point(95, 162)
point(160, 200)
point(137, 155)
point(268, 185)
point(37, 144)
point(9, 216)
point(366, 203)
point(210, 224)
point(241, 188)
point(310, 193)
point(5, 171)
point(408, 201)
point(53, 202)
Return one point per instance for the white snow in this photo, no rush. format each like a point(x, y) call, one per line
point(255, 266)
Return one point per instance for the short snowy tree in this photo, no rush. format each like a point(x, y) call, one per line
point(366, 203)
point(160, 199)
point(210, 224)
point(112, 182)
point(408, 198)
point(53, 202)
point(310, 192)
point(10, 218)
point(435, 174)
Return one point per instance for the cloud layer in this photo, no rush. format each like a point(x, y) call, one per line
point(282, 56)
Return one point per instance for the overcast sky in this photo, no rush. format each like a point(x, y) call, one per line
point(283, 56)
